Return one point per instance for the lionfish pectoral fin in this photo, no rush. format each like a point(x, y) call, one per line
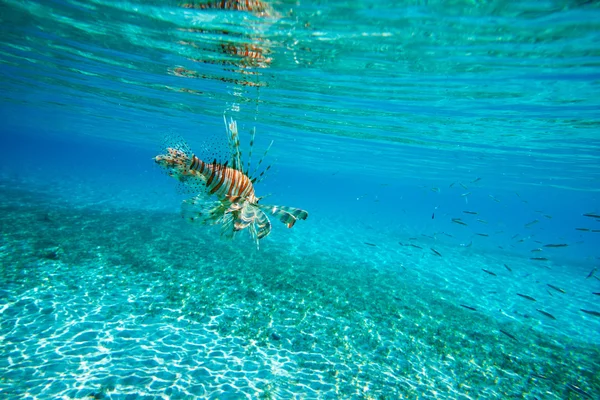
point(227, 225)
point(246, 216)
point(203, 210)
point(287, 215)
point(263, 224)
point(253, 218)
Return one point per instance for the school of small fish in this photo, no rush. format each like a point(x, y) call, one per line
point(545, 251)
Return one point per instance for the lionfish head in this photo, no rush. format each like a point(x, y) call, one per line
point(173, 159)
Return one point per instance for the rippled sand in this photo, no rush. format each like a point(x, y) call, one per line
point(104, 303)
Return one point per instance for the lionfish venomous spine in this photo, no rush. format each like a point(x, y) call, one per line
point(225, 190)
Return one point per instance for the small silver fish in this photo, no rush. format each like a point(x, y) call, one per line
point(535, 221)
point(547, 314)
point(556, 288)
point(591, 215)
point(526, 297)
point(509, 335)
point(578, 390)
point(592, 272)
point(591, 312)
point(458, 221)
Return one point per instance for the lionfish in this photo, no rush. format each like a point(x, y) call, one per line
point(225, 190)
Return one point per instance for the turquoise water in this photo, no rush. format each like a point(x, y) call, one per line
point(446, 153)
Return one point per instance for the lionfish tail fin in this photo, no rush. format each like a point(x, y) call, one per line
point(287, 215)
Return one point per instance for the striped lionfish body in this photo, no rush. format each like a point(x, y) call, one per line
point(225, 190)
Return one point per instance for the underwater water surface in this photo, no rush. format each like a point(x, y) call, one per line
point(447, 153)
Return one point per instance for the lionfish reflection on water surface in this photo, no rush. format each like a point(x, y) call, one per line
point(225, 191)
point(257, 7)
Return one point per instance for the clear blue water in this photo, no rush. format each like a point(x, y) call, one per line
point(388, 122)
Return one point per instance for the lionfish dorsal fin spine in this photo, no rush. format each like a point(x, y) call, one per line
point(250, 151)
point(262, 175)
point(234, 143)
point(261, 160)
